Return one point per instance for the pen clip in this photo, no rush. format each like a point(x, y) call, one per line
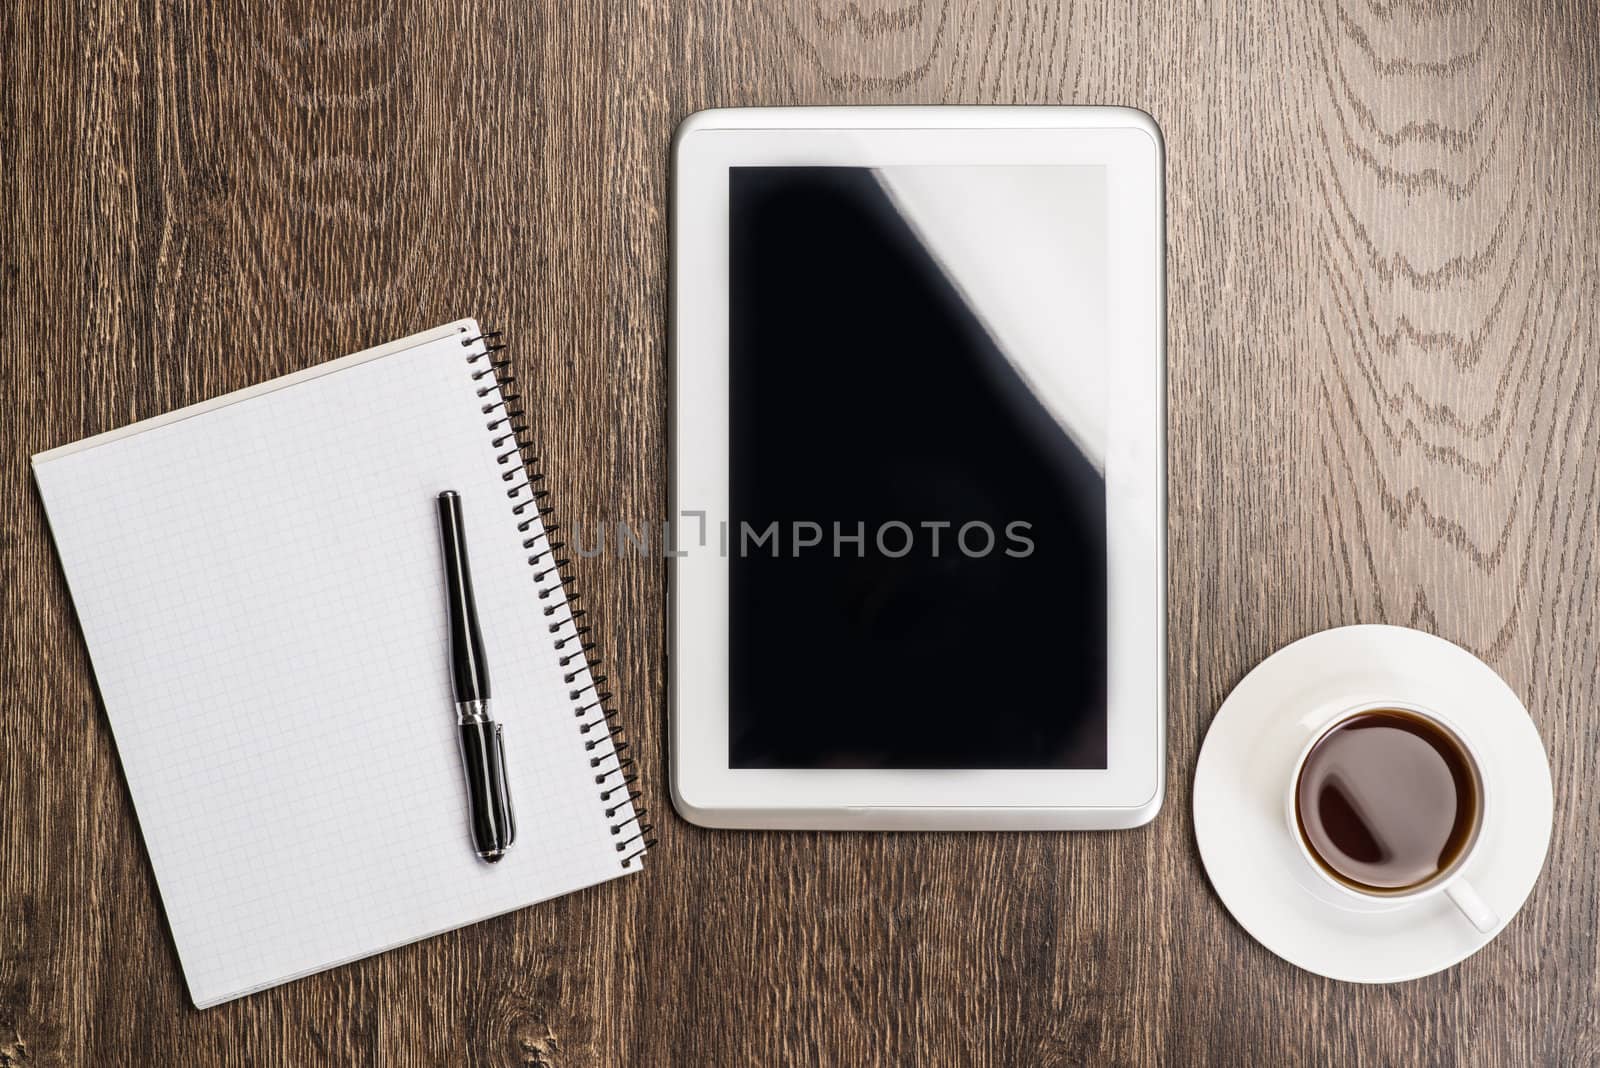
point(505, 784)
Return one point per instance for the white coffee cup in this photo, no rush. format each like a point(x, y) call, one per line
point(1449, 881)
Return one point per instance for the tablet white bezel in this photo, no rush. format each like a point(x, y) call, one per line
point(1129, 791)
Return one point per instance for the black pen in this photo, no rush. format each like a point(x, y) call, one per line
point(483, 753)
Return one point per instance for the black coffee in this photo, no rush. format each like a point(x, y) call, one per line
point(1387, 800)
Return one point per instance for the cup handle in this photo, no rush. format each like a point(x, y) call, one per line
point(1472, 906)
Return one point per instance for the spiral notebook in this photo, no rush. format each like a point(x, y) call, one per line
point(259, 584)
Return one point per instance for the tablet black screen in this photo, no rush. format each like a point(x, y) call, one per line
point(917, 552)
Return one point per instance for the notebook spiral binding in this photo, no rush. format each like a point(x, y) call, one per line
point(614, 771)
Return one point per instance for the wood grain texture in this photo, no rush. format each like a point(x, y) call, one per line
point(1383, 385)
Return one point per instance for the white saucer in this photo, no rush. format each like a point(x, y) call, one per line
point(1241, 780)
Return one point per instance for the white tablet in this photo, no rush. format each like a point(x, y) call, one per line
point(918, 478)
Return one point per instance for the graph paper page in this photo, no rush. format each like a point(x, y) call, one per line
point(259, 584)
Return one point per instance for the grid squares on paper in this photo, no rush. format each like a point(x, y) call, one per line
point(260, 591)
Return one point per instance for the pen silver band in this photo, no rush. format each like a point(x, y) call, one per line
point(472, 712)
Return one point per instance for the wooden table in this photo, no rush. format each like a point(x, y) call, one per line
point(1383, 388)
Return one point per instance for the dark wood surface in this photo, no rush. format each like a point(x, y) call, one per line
point(1383, 388)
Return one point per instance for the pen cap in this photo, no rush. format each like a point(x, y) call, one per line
point(468, 670)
